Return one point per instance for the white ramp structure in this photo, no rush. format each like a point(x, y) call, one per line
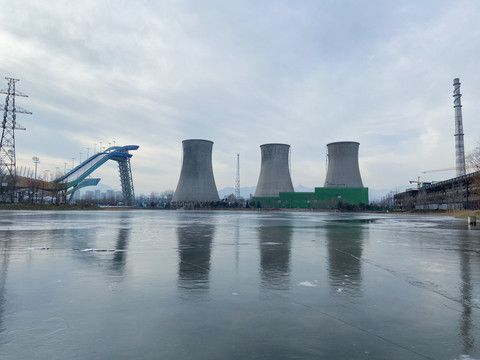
point(274, 171)
point(196, 183)
point(343, 170)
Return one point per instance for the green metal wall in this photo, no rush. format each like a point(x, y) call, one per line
point(322, 198)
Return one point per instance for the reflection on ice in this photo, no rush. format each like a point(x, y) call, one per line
point(466, 288)
point(238, 285)
point(274, 238)
point(345, 257)
point(194, 251)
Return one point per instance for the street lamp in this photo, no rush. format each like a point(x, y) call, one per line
point(36, 161)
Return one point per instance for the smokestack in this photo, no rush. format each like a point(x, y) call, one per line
point(343, 170)
point(274, 172)
point(459, 146)
point(196, 183)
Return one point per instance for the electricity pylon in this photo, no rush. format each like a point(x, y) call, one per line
point(8, 162)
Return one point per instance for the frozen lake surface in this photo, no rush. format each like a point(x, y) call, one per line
point(144, 284)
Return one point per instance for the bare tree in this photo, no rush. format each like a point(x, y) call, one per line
point(388, 201)
point(473, 159)
point(473, 163)
point(167, 195)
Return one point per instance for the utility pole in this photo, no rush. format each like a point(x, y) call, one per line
point(8, 162)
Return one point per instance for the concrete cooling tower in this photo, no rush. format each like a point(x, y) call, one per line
point(196, 183)
point(274, 172)
point(343, 170)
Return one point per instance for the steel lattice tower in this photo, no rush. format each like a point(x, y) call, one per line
point(8, 163)
point(126, 181)
point(237, 179)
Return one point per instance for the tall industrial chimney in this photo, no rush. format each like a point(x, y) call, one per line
point(343, 170)
point(459, 146)
point(196, 183)
point(274, 172)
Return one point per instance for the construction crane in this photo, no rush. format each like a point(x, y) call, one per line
point(446, 169)
point(428, 183)
point(421, 183)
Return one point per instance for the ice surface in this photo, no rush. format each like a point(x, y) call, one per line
point(201, 285)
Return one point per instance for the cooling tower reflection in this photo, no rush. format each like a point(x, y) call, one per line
point(194, 251)
point(274, 238)
point(345, 243)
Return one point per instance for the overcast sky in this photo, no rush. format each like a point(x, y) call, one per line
point(242, 74)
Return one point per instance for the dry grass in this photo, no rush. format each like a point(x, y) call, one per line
point(463, 214)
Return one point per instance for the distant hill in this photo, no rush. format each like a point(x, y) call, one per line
point(378, 194)
point(373, 194)
point(246, 191)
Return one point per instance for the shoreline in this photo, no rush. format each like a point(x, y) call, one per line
point(459, 214)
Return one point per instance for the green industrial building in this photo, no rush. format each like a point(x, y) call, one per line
point(321, 198)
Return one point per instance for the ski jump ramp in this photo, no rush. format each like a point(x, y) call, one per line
point(78, 177)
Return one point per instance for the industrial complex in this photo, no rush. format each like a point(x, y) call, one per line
point(461, 192)
point(343, 183)
point(196, 185)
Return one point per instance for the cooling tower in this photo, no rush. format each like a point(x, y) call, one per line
point(343, 168)
point(274, 172)
point(196, 183)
